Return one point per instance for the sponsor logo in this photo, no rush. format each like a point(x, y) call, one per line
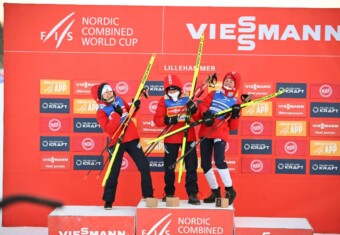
point(153, 106)
point(88, 144)
point(158, 149)
point(122, 88)
point(291, 128)
point(54, 143)
point(55, 162)
point(156, 164)
point(259, 109)
point(290, 166)
point(250, 146)
point(324, 128)
point(257, 165)
point(324, 148)
point(187, 87)
point(54, 125)
point(324, 167)
point(89, 125)
point(155, 88)
point(253, 128)
point(54, 87)
point(319, 109)
point(256, 128)
point(60, 32)
point(257, 89)
point(291, 147)
point(246, 32)
point(54, 105)
point(84, 106)
point(292, 90)
point(88, 162)
point(146, 125)
point(291, 109)
point(84, 87)
point(324, 91)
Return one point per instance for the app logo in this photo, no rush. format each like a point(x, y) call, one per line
point(84, 106)
point(59, 35)
point(54, 87)
point(291, 128)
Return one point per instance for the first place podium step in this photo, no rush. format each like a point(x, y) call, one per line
point(204, 219)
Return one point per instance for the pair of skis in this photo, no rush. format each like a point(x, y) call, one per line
point(128, 118)
point(218, 114)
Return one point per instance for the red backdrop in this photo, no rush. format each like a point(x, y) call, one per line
point(284, 158)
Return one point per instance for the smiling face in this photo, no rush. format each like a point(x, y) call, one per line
point(229, 83)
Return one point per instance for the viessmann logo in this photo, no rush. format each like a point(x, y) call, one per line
point(59, 32)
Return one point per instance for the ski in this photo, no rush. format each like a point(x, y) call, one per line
point(209, 81)
point(259, 100)
point(209, 133)
point(188, 115)
point(128, 118)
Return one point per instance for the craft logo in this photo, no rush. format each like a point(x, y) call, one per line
point(251, 146)
point(325, 128)
point(88, 162)
point(263, 109)
point(291, 128)
point(320, 109)
point(54, 87)
point(86, 125)
point(54, 105)
point(325, 91)
point(54, 143)
point(155, 88)
point(250, 31)
point(153, 106)
point(324, 167)
point(324, 148)
point(290, 109)
point(55, 162)
point(156, 164)
point(257, 89)
point(292, 90)
point(84, 106)
point(84, 87)
point(122, 88)
point(59, 32)
point(290, 166)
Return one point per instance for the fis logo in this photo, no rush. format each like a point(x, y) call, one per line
point(161, 226)
point(60, 31)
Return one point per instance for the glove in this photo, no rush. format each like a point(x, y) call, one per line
point(118, 109)
point(208, 118)
point(136, 104)
point(191, 107)
point(170, 120)
point(235, 112)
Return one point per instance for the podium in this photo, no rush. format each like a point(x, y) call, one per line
point(204, 219)
point(272, 226)
point(92, 220)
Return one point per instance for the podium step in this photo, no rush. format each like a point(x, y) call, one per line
point(201, 219)
point(92, 220)
point(272, 226)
